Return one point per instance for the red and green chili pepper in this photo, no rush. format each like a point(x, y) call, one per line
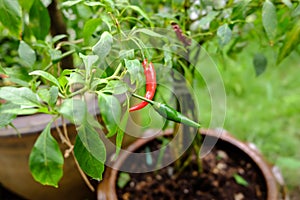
point(150, 76)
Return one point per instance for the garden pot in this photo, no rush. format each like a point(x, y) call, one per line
point(14, 159)
point(107, 189)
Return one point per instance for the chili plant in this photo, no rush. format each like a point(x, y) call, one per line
point(96, 48)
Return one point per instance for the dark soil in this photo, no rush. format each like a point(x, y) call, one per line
point(215, 182)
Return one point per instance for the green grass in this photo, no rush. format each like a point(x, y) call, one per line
point(264, 110)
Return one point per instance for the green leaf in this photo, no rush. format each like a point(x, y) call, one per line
point(58, 37)
point(90, 151)
point(26, 5)
point(21, 96)
point(296, 11)
point(120, 133)
point(290, 43)
point(116, 87)
point(141, 12)
point(148, 32)
point(260, 63)
point(46, 76)
point(134, 69)
point(46, 160)
point(90, 27)
point(129, 54)
point(53, 95)
point(93, 4)
point(75, 110)
point(44, 94)
point(110, 110)
point(103, 46)
point(76, 77)
point(70, 3)
point(288, 3)
point(2, 70)
point(240, 180)
point(11, 16)
point(269, 19)
point(26, 53)
point(208, 18)
point(88, 61)
point(39, 20)
point(55, 55)
point(224, 34)
point(123, 179)
point(5, 117)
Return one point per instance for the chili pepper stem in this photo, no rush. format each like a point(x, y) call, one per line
point(142, 98)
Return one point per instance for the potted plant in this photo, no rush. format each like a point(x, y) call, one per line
point(111, 66)
point(231, 169)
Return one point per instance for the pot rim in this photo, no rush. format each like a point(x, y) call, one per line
point(107, 188)
point(35, 123)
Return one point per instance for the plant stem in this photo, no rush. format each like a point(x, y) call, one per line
point(86, 180)
point(82, 90)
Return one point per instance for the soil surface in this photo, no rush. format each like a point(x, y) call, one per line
point(226, 175)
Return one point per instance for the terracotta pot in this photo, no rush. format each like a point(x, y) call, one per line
point(107, 188)
point(14, 168)
point(14, 156)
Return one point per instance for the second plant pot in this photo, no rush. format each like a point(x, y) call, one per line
point(219, 178)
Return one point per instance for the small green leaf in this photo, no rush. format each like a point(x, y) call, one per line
point(93, 4)
point(135, 70)
point(129, 54)
point(90, 27)
point(141, 12)
point(26, 53)
point(70, 3)
point(88, 61)
point(110, 110)
point(290, 43)
point(58, 37)
point(123, 179)
point(26, 5)
point(46, 76)
point(120, 133)
point(103, 46)
point(75, 110)
point(11, 16)
point(90, 151)
point(240, 180)
point(269, 19)
point(116, 87)
point(39, 20)
point(224, 34)
point(76, 77)
point(21, 96)
point(5, 117)
point(260, 63)
point(148, 32)
point(46, 160)
point(2, 70)
point(55, 55)
point(44, 94)
point(208, 18)
point(53, 95)
point(296, 11)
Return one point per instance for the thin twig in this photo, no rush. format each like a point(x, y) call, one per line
point(83, 175)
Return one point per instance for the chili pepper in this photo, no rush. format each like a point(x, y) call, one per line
point(150, 75)
point(170, 113)
point(179, 34)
